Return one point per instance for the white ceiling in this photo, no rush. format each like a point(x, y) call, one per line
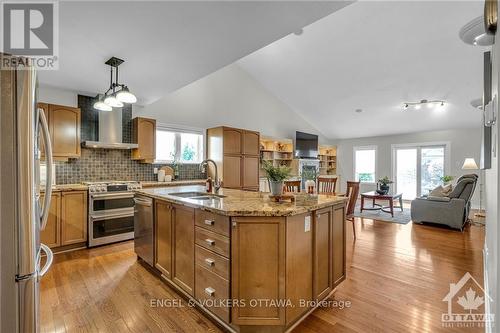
point(167, 45)
point(375, 55)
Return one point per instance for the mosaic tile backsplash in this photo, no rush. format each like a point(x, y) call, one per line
point(113, 164)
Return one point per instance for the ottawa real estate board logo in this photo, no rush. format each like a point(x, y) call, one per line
point(30, 33)
point(467, 305)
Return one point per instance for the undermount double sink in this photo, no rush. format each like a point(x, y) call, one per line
point(202, 196)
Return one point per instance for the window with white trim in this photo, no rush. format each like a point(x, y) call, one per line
point(365, 161)
point(181, 145)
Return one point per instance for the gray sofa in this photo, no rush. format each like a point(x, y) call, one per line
point(452, 210)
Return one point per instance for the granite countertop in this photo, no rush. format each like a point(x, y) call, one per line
point(66, 187)
point(173, 183)
point(240, 203)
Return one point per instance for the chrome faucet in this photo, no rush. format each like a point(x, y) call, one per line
point(217, 182)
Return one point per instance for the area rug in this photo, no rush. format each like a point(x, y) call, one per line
point(401, 217)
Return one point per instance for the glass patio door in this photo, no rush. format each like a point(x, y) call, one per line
point(418, 169)
point(406, 172)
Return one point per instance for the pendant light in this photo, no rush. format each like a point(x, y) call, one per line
point(117, 93)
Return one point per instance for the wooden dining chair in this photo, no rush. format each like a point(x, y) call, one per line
point(291, 186)
point(327, 185)
point(352, 193)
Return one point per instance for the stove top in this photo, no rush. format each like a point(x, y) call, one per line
point(113, 186)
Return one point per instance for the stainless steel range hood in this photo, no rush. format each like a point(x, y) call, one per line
point(110, 132)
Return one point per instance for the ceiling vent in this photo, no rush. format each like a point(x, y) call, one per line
point(474, 33)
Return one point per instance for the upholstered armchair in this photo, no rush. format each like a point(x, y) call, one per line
point(452, 210)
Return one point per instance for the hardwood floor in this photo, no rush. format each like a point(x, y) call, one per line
point(397, 276)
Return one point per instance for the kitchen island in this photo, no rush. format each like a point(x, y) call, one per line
point(251, 264)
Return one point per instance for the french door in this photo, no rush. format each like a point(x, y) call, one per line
point(418, 169)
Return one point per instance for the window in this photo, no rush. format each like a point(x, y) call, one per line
point(185, 146)
point(365, 160)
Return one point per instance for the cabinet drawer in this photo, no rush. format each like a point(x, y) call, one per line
point(212, 262)
point(213, 222)
point(212, 241)
point(213, 292)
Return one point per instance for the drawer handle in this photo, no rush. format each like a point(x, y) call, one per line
point(210, 291)
point(210, 242)
point(209, 222)
point(210, 262)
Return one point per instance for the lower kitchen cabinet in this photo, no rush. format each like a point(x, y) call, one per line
point(258, 269)
point(183, 248)
point(51, 235)
point(163, 243)
point(67, 222)
point(323, 253)
point(74, 217)
point(338, 245)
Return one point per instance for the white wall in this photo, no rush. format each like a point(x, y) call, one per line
point(229, 97)
point(463, 143)
point(53, 95)
point(491, 249)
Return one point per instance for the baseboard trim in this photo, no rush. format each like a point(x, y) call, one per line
point(487, 305)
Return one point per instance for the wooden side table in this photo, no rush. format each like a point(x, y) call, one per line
point(390, 197)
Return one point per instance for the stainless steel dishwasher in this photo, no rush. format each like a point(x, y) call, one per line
point(143, 228)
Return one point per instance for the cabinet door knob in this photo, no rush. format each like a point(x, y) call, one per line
point(210, 242)
point(210, 291)
point(209, 222)
point(210, 262)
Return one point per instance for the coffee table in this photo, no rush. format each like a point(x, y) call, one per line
point(373, 195)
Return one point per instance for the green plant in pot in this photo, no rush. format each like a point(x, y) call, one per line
point(276, 176)
point(383, 185)
point(310, 176)
point(446, 179)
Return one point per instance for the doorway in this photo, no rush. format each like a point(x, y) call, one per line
point(418, 169)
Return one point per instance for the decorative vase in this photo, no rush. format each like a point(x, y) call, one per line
point(383, 189)
point(276, 187)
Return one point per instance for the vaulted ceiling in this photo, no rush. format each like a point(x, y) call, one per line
point(374, 55)
point(167, 44)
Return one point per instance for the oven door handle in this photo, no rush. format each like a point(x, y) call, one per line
point(112, 195)
point(111, 216)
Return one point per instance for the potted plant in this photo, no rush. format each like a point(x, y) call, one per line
point(383, 185)
point(276, 176)
point(446, 179)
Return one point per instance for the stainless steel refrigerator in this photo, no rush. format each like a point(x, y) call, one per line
point(23, 259)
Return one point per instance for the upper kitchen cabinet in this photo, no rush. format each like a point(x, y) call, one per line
point(64, 127)
point(236, 153)
point(144, 134)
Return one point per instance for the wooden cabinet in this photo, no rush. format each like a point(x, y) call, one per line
point(236, 152)
point(64, 127)
point(67, 223)
point(258, 272)
point(250, 177)
point(51, 235)
point(183, 248)
point(163, 239)
point(323, 255)
point(74, 217)
point(251, 141)
point(231, 172)
point(144, 134)
point(232, 141)
point(339, 245)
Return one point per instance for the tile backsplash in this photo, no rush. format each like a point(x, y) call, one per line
point(113, 164)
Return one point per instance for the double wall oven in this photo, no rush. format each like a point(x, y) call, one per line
point(111, 212)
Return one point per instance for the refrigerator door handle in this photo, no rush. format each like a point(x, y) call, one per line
point(48, 179)
point(48, 263)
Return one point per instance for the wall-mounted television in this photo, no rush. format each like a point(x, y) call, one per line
point(306, 145)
